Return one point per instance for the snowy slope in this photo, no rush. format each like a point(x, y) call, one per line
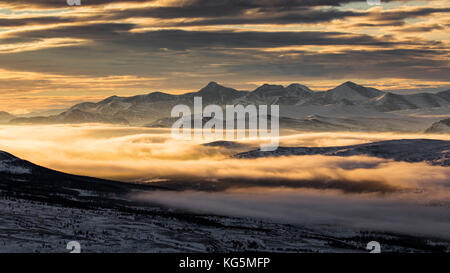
point(12, 165)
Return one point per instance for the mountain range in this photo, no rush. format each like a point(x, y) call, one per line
point(296, 101)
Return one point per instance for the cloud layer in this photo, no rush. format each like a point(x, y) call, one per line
point(180, 45)
point(326, 192)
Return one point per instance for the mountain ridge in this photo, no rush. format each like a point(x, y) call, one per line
point(432, 151)
point(147, 108)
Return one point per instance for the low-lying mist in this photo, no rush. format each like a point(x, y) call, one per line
point(133, 153)
point(357, 191)
point(406, 213)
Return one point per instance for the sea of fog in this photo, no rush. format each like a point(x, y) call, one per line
point(417, 203)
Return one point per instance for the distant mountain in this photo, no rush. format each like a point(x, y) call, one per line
point(444, 94)
point(349, 97)
point(148, 108)
point(277, 94)
point(440, 127)
point(72, 116)
point(40, 113)
point(435, 152)
point(352, 92)
point(5, 117)
point(391, 102)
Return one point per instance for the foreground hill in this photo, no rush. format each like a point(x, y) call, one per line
point(23, 179)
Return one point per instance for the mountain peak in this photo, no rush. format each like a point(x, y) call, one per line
point(353, 91)
point(268, 87)
point(297, 86)
point(350, 84)
point(212, 86)
point(109, 99)
point(215, 93)
point(213, 83)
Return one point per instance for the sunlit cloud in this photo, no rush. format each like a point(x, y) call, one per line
point(128, 153)
point(404, 45)
point(356, 192)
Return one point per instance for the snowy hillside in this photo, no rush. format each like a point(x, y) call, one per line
point(5, 117)
point(12, 165)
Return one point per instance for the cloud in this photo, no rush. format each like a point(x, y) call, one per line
point(238, 53)
point(187, 43)
point(61, 3)
point(131, 154)
point(194, 4)
point(119, 34)
point(354, 192)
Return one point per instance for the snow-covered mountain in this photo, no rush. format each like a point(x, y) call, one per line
point(349, 98)
point(276, 94)
point(434, 152)
point(352, 91)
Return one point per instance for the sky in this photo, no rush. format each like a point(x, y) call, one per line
point(53, 55)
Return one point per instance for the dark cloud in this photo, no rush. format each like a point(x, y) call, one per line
point(200, 17)
point(188, 64)
point(404, 14)
point(15, 22)
point(304, 16)
point(226, 12)
point(280, 4)
point(61, 3)
point(422, 28)
point(425, 64)
point(115, 49)
point(183, 40)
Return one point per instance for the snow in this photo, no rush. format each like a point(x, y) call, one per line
point(12, 165)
